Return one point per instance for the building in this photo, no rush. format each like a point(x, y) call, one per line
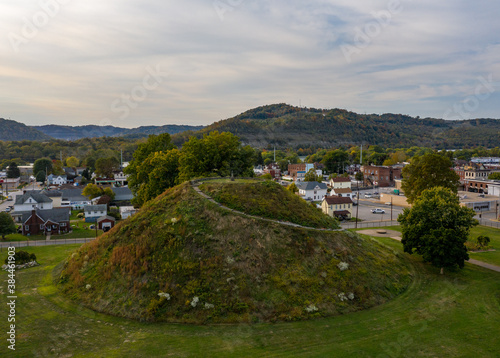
point(340, 183)
point(105, 223)
point(480, 185)
point(298, 171)
point(344, 192)
point(382, 176)
point(274, 170)
point(121, 178)
point(74, 198)
point(9, 184)
point(127, 211)
point(339, 207)
point(57, 179)
point(94, 212)
point(122, 194)
point(46, 222)
point(312, 190)
point(32, 199)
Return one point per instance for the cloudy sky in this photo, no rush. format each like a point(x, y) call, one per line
point(129, 63)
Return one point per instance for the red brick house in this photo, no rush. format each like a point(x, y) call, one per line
point(382, 176)
point(41, 222)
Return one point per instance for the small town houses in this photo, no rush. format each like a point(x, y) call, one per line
point(48, 222)
point(337, 206)
point(312, 190)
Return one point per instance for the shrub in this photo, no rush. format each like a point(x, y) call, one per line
point(22, 257)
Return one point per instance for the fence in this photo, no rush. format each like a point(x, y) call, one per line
point(45, 242)
point(489, 223)
point(368, 224)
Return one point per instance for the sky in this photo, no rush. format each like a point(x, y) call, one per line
point(129, 63)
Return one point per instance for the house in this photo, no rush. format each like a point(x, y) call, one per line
point(53, 221)
point(74, 198)
point(94, 212)
point(298, 171)
point(9, 184)
point(383, 176)
point(312, 190)
point(336, 206)
point(121, 178)
point(32, 199)
point(274, 170)
point(122, 194)
point(105, 223)
point(340, 183)
point(57, 179)
point(127, 211)
point(343, 192)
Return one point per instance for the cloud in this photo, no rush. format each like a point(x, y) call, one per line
point(73, 67)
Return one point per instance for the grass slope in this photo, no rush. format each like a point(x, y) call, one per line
point(241, 269)
point(267, 199)
point(453, 315)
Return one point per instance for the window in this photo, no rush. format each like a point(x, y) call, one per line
point(27, 227)
point(41, 227)
point(63, 224)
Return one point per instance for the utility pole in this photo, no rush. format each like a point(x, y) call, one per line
point(391, 209)
point(357, 206)
point(361, 157)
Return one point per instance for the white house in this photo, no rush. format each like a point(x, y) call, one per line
point(336, 206)
point(121, 178)
point(94, 212)
point(344, 193)
point(312, 190)
point(340, 183)
point(32, 200)
point(57, 179)
point(127, 211)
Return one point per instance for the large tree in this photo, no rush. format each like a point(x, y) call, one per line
point(72, 162)
point(428, 171)
point(42, 165)
point(219, 154)
point(139, 169)
point(312, 176)
point(437, 227)
point(159, 172)
point(335, 160)
point(13, 171)
point(7, 225)
point(105, 167)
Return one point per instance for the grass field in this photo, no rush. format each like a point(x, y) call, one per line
point(454, 315)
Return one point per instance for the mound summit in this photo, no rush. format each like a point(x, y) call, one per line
point(183, 258)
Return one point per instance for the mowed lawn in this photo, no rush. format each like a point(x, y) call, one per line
point(451, 315)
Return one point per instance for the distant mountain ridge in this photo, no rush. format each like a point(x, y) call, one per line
point(12, 130)
point(93, 131)
point(283, 125)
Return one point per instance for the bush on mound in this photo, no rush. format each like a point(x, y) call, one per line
point(184, 259)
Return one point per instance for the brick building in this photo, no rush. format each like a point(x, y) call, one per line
point(383, 176)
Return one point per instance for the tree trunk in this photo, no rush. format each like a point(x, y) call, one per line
point(442, 270)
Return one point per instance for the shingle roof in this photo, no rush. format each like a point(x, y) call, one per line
point(342, 191)
point(101, 207)
point(341, 180)
point(55, 215)
point(35, 195)
point(310, 185)
point(123, 193)
point(332, 200)
point(106, 217)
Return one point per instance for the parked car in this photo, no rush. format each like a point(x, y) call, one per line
point(378, 211)
point(7, 209)
point(368, 195)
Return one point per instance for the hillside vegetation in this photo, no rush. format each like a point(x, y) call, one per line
point(12, 130)
point(184, 259)
point(285, 125)
point(268, 199)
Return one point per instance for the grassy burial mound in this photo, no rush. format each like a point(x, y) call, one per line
point(267, 199)
point(183, 258)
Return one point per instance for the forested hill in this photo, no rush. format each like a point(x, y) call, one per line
point(12, 130)
point(92, 131)
point(284, 125)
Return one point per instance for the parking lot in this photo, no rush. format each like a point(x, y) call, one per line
point(365, 207)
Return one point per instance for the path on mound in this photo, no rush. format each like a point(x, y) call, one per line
point(195, 185)
point(396, 236)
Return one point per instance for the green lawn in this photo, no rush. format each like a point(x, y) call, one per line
point(454, 315)
point(78, 233)
point(494, 235)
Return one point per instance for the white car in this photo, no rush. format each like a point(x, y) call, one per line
point(368, 195)
point(378, 211)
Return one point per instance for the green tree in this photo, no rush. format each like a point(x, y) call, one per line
point(7, 225)
point(159, 172)
point(483, 241)
point(311, 176)
point(92, 191)
point(266, 176)
point(335, 160)
point(104, 167)
point(42, 165)
point(215, 154)
point(13, 171)
point(140, 166)
point(359, 176)
point(437, 228)
point(494, 176)
point(72, 162)
point(428, 171)
point(40, 176)
point(57, 168)
point(293, 188)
